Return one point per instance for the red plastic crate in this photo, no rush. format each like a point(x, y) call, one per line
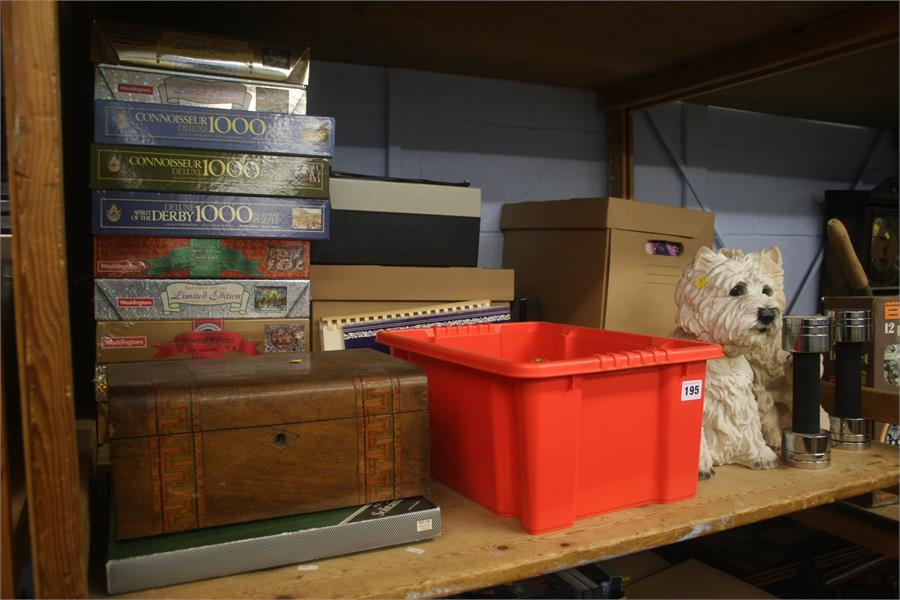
point(552, 423)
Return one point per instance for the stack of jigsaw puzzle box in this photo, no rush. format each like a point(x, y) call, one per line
point(209, 181)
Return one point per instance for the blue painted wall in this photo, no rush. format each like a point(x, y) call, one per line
point(763, 175)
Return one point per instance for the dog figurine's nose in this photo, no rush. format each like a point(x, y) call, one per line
point(766, 316)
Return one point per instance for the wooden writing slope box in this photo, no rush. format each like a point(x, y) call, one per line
point(203, 443)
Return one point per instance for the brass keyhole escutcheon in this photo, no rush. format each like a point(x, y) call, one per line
point(280, 440)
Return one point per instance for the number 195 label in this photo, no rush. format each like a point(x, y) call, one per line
point(691, 390)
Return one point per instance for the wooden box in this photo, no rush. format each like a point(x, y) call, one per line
point(203, 443)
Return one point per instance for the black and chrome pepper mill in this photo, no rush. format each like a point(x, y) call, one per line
point(806, 445)
point(849, 329)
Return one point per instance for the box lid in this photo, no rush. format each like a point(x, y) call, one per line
point(441, 284)
point(606, 213)
point(170, 397)
point(373, 195)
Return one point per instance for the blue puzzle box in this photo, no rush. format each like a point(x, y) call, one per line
point(196, 215)
point(140, 123)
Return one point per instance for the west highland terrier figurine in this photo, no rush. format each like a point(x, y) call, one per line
point(736, 300)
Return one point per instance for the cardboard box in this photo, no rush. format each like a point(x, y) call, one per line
point(199, 258)
point(171, 299)
point(137, 84)
point(352, 289)
point(881, 356)
point(384, 222)
point(694, 579)
point(194, 171)
point(213, 216)
point(376, 283)
point(131, 341)
point(145, 124)
point(636, 566)
point(603, 262)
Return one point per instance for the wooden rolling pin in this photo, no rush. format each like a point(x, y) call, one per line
point(853, 270)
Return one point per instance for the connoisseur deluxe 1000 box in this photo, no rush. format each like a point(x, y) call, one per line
point(133, 341)
point(164, 299)
point(212, 216)
point(143, 124)
point(199, 258)
point(158, 169)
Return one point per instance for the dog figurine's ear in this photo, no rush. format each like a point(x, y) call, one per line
point(773, 254)
point(705, 259)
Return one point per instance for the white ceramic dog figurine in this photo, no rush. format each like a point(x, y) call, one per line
point(728, 298)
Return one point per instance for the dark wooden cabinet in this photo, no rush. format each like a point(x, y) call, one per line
point(870, 217)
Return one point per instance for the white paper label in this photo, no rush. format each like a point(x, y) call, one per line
point(691, 390)
point(413, 550)
point(424, 525)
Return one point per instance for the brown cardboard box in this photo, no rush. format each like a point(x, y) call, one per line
point(881, 356)
point(352, 289)
point(130, 341)
point(694, 579)
point(591, 260)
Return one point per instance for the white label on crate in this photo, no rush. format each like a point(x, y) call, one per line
point(424, 525)
point(691, 390)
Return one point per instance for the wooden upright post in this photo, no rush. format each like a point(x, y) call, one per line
point(34, 150)
point(620, 144)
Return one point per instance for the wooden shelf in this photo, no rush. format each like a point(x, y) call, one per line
point(479, 549)
point(635, 53)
